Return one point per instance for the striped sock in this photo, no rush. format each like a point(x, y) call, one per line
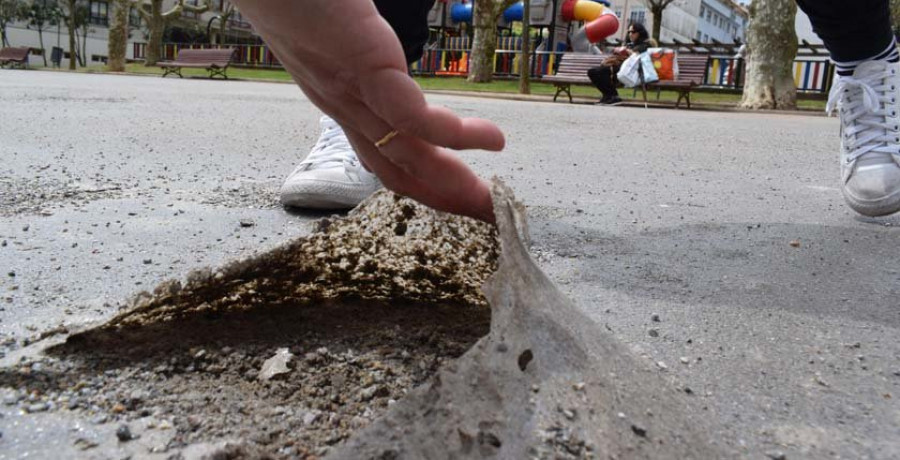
point(890, 54)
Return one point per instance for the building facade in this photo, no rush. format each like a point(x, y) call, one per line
point(723, 21)
point(93, 39)
point(687, 20)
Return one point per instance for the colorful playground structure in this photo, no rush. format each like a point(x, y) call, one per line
point(556, 20)
point(562, 25)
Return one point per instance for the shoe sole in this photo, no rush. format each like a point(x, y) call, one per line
point(879, 208)
point(310, 201)
point(323, 196)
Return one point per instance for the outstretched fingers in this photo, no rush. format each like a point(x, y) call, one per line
point(395, 98)
point(426, 174)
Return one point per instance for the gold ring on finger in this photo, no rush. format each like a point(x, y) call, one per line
point(387, 138)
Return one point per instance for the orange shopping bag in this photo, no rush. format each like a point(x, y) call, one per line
point(664, 62)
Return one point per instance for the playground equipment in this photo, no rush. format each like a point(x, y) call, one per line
point(462, 12)
point(448, 17)
point(600, 21)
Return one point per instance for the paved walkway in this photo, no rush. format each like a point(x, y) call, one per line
point(777, 306)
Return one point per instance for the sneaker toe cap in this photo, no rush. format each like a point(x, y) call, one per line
point(874, 191)
point(325, 191)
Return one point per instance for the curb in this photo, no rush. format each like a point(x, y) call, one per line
point(705, 107)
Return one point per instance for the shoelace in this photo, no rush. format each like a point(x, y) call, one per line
point(332, 147)
point(866, 128)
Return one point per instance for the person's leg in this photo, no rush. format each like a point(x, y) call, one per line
point(604, 78)
point(859, 38)
point(609, 78)
point(409, 19)
point(612, 81)
point(596, 75)
point(854, 31)
point(331, 176)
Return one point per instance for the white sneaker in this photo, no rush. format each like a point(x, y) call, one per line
point(870, 137)
point(331, 177)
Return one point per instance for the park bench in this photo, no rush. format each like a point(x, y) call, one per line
point(691, 74)
point(14, 56)
point(215, 61)
point(573, 69)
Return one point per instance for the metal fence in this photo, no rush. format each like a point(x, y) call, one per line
point(813, 72)
point(248, 55)
point(813, 75)
point(507, 63)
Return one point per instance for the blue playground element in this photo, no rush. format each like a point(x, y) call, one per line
point(461, 12)
point(514, 13)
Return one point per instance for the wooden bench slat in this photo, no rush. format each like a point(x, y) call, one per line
point(17, 55)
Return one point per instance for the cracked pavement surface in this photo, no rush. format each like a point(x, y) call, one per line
point(715, 245)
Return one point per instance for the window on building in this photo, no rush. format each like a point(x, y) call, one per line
point(134, 18)
point(702, 10)
point(705, 38)
point(699, 35)
point(99, 13)
point(637, 17)
point(709, 15)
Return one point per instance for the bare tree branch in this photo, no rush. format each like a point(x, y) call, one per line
point(139, 6)
point(195, 8)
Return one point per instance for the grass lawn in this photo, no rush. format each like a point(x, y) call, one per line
point(460, 84)
point(512, 86)
point(233, 72)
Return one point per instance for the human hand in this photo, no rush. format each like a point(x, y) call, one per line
point(349, 62)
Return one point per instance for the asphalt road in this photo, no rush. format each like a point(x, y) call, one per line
point(716, 245)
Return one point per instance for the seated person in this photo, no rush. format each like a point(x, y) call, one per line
point(604, 76)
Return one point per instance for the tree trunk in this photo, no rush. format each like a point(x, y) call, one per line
point(157, 26)
point(771, 48)
point(525, 60)
point(157, 21)
point(78, 47)
point(657, 12)
point(223, 28)
point(41, 41)
point(224, 17)
point(118, 36)
point(71, 25)
point(82, 56)
point(484, 21)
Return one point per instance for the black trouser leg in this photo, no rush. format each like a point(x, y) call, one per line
point(604, 78)
point(852, 30)
point(409, 19)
